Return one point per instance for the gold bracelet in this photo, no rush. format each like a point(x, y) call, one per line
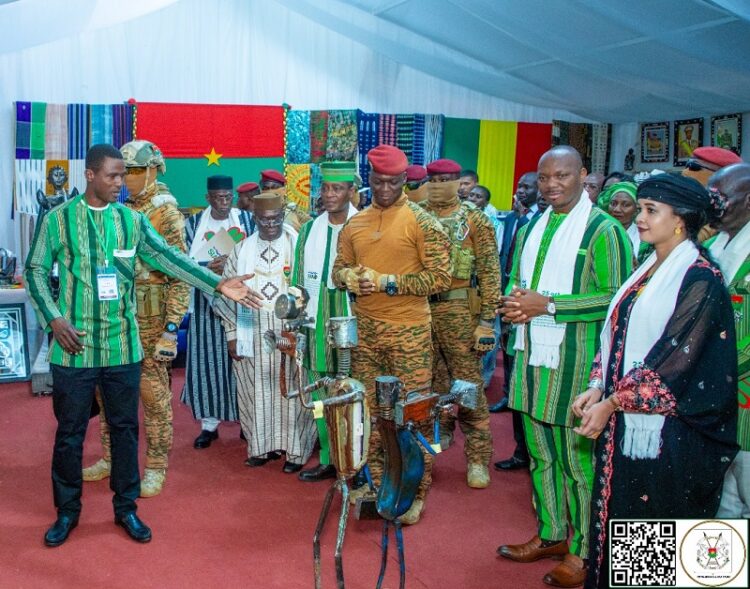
point(612, 399)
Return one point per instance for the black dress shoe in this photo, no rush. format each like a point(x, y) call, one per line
point(205, 438)
point(60, 530)
point(290, 467)
point(261, 460)
point(135, 528)
point(512, 463)
point(501, 405)
point(318, 473)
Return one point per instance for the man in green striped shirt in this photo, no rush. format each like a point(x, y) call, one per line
point(568, 264)
point(95, 242)
point(313, 264)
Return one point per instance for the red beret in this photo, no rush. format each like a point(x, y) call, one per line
point(415, 173)
point(443, 166)
point(388, 160)
point(272, 175)
point(248, 187)
point(717, 156)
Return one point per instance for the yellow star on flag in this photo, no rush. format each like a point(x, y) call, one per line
point(213, 158)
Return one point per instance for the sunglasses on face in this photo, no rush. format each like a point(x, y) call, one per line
point(696, 166)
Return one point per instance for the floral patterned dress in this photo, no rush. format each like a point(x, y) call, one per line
point(690, 377)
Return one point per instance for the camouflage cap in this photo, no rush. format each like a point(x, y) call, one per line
point(143, 154)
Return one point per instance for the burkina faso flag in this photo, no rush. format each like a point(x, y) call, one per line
point(200, 140)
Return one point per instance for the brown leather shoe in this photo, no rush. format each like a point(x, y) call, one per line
point(533, 550)
point(571, 572)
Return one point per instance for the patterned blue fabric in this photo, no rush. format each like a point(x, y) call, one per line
point(298, 136)
point(367, 138)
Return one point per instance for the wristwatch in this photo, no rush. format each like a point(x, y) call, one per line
point(391, 288)
point(171, 327)
point(551, 310)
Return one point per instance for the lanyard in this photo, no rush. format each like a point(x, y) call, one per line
point(102, 239)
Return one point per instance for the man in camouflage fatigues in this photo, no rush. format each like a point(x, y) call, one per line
point(392, 255)
point(462, 318)
point(162, 303)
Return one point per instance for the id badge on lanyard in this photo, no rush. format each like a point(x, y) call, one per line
point(106, 277)
point(106, 283)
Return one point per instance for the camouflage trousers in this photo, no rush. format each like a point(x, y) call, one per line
point(156, 398)
point(454, 358)
point(394, 350)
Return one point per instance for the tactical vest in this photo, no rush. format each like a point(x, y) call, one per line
point(150, 284)
point(457, 227)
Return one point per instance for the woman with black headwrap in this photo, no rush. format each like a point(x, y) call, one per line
point(663, 389)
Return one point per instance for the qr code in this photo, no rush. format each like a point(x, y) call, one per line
point(642, 554)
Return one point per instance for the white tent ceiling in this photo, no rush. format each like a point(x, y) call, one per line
point(523, 60)
point(606, 60)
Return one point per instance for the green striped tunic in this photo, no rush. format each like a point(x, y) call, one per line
point(739, 291)
point(81, 239)
point(604, 262)
point(319, 356)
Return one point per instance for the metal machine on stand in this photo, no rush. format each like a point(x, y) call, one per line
point(347, 417)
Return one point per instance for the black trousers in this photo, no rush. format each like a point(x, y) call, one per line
point(72, 396)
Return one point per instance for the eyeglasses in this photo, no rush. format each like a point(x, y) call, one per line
point(223, 196)
point(269, 221)
point(696, 166)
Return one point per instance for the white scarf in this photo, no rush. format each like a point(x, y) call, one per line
point(246, 264)
point(232, 221)
point(635, 238)
point(651, 312)
point(315, 248)
point(556, 278)
point(730, 255)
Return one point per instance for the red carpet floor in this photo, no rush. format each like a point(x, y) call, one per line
point(221, 524)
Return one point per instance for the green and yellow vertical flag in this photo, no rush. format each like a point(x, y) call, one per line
point(500, 152)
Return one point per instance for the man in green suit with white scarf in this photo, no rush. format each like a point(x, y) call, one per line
point(567, 265)
point(313, 263)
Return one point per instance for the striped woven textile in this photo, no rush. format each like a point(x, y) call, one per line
point(368, 125)
point(405, 134)
point(30, 134)
point(49, 135)
point(601, 142)
point(387, 132)
point(417, 152)
point(434, 126)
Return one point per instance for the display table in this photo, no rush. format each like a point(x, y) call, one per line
point(20, 335)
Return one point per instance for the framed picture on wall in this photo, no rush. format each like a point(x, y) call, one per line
point(688, 135)
point(14, 344)
point(654, 142)
point(726, 132)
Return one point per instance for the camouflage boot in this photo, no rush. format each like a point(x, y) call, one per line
point(152, 482)
point(97, 471)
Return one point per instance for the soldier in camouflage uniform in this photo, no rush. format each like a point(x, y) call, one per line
point(392, 256)
point(162, 303)
point(462, 318)
point(271, 180)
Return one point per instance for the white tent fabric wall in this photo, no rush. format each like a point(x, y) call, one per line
point(223, 51)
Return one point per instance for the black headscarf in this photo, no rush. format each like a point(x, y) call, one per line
point(678, 191)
